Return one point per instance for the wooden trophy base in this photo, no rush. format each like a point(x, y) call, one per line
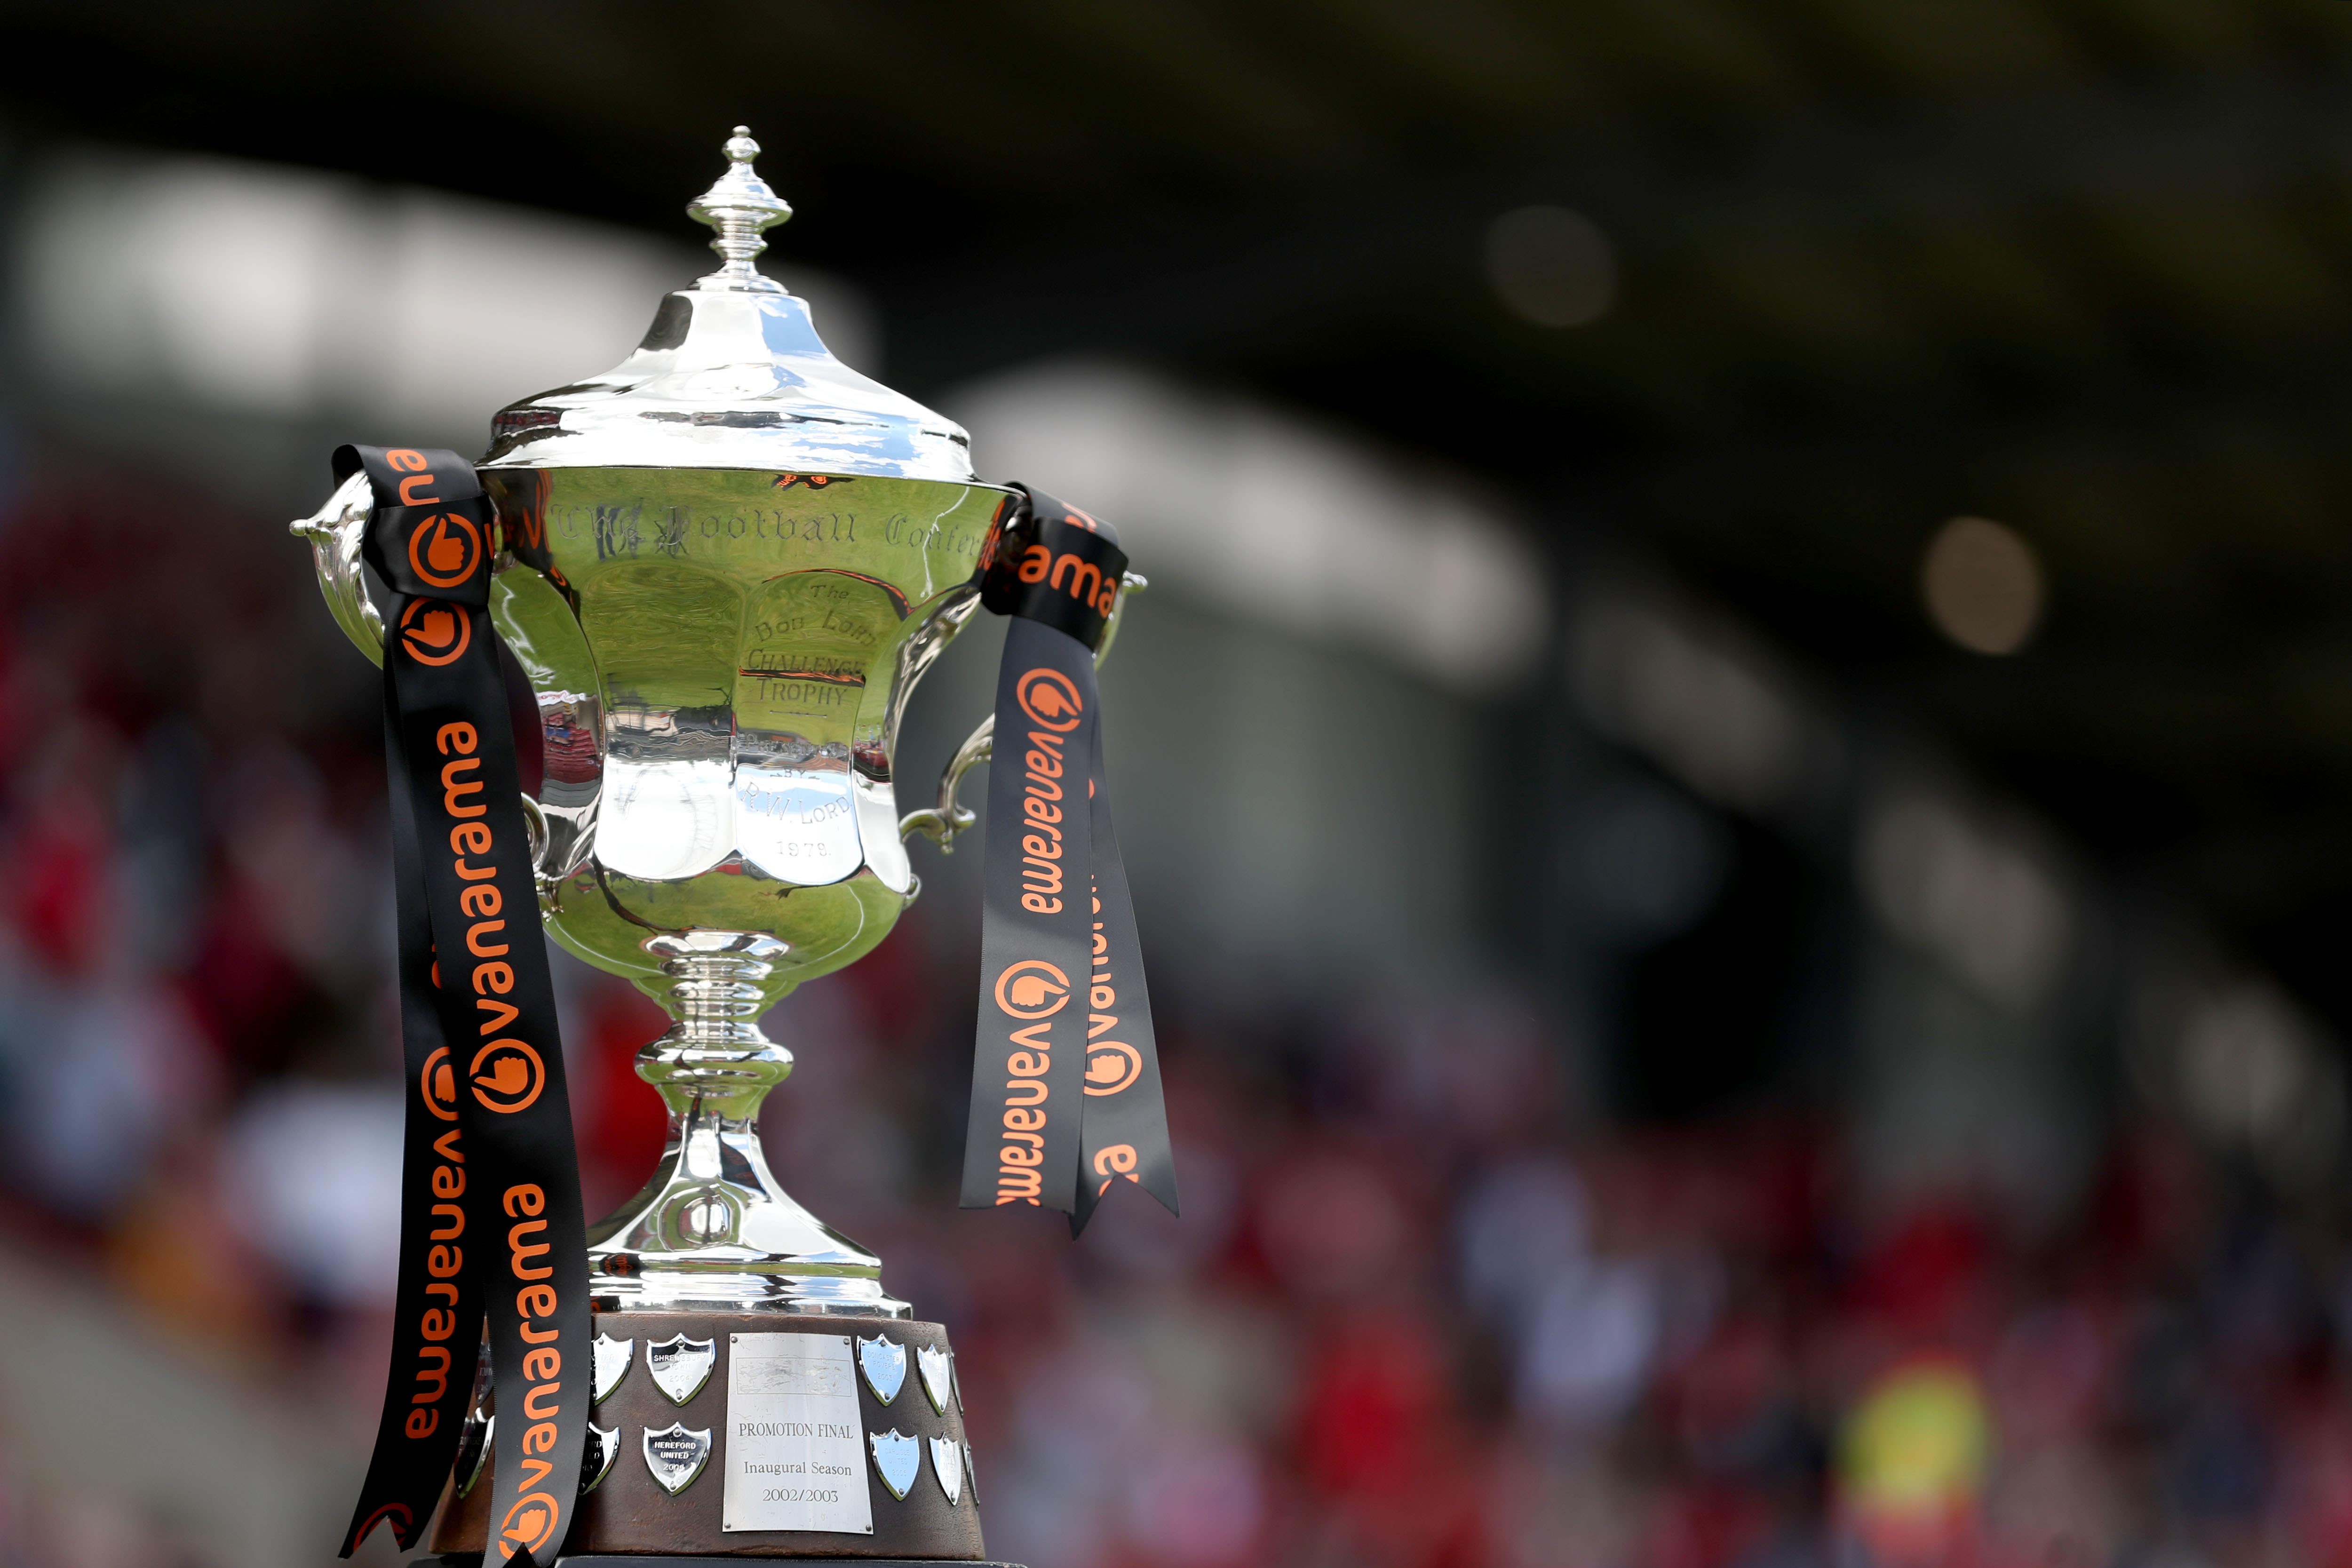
point(764, 1423)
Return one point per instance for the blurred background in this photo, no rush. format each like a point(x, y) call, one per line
point(1738, 770)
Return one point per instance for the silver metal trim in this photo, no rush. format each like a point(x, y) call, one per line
point(944, 821)
point(675, 1479)
point(939, 1375)
point(334, 533)
point(731, 375)
point(612, 1359)
point(898, 1459)
point(596, 1457)
point(883, 1360)
point(947, 1468)
point(680, 1367)
point(474, 1435)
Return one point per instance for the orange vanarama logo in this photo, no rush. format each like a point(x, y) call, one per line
point(508, 1075)
point(444, 548)
point(1050, 699)
point(438, 1084)
point(433, 632)
point(1111, 1066)
point(1032, 988)
point(527, 1525)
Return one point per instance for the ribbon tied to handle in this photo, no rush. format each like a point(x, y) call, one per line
point(1065, 1091)
point(490, 1222)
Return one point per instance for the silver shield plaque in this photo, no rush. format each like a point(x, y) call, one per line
point(613, 1359)
point(677, 1455)
point(884, 1362)
point(680, 1366)
point(897, 1459)
point(596, 1455)
point(939, 1375)
point(946, 1467)
point(474, 1436)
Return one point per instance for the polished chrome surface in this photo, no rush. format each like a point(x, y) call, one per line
point(613, 1359)
point(334, 533)
point(474, 1436)
point(740, 207)
point(897, 1458)
point(676, 1456)
point(722, 667)
point(723, 567)
point(943, 822)
point(940, 824)
point(947, 1468)
point(939, 1375)
point(884, 1362)
point(680, 1366)
point(712, 1228)
point(732, 375)
point(596, 1455)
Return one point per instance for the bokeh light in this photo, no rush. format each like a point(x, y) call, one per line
point(1983, 585)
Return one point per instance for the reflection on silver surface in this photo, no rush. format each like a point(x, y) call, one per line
point(732, 375)
point(676, 1456)
point(333, 534)
point(613, 1359)
point(941, 823)
point(723, 566)
point(947, 1468)
point(596, 1455)
point(897, 1459)
point(970, 1476)
point(884, 1362)
point(680, 1366)
point(474, 1436)
point(939, 1375)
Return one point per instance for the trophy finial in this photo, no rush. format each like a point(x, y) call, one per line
point(739, 205)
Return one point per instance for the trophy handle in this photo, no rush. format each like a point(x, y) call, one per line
point(940, 824)
point(334, 533)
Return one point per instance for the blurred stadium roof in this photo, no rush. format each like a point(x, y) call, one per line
point(2082, 266)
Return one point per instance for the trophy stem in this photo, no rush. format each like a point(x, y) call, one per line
point(713, 1230)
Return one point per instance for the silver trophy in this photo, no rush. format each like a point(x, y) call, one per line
point(725, 563)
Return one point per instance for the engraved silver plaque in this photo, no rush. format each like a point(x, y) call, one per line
point(613, 1359)
point(939, 1375)
point(946, 1465)
point(884, 1362)
point(677, 1455)
point(971, 1474)
point(596, 1455)
point(897, 1459)
point(680, 1366)
point(794, 1427)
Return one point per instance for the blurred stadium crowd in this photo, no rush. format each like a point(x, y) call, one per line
point(1423, 1310)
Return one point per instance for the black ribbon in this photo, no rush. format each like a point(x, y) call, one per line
point(1066, 1093)
point(490, 1222)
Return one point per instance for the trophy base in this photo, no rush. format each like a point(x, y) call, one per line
point(759, 1434)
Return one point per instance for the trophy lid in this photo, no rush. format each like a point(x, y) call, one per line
point(732, 376)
